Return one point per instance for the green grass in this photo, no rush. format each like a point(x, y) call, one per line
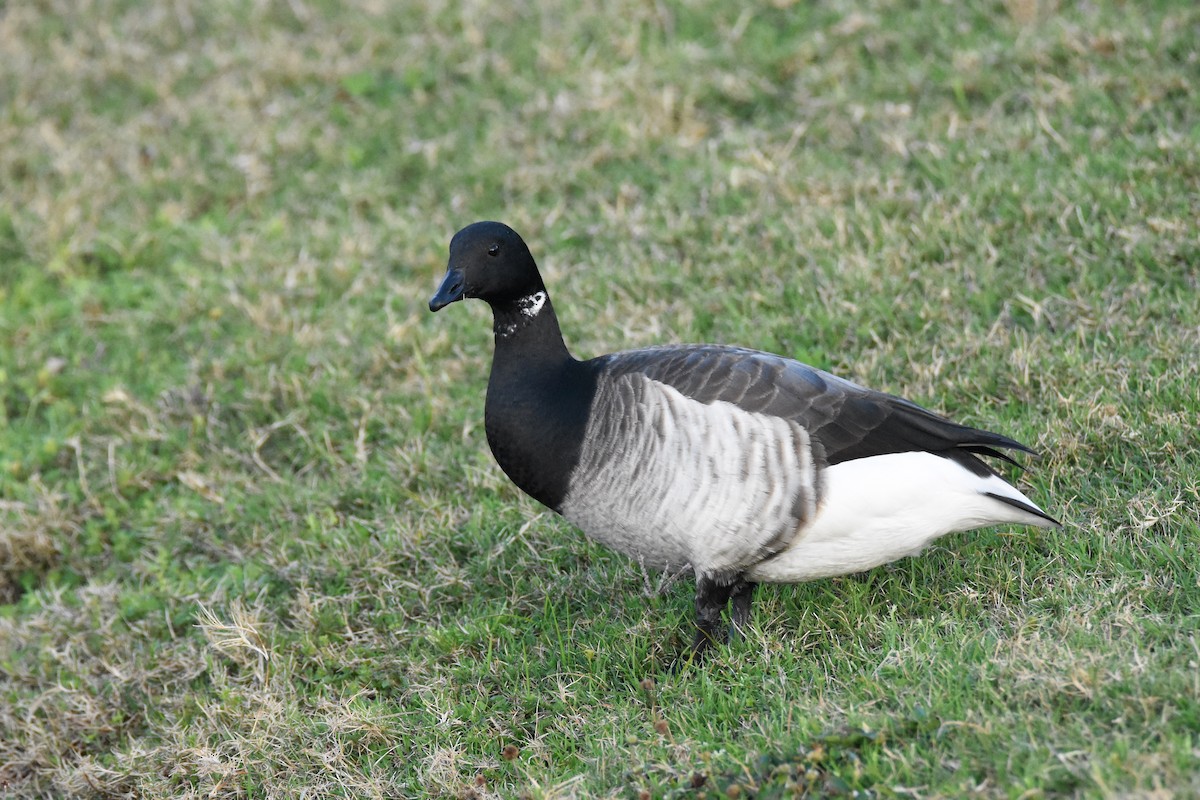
point(252, 543)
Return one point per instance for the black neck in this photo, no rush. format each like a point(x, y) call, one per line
point(537, 402)
point(533, 338)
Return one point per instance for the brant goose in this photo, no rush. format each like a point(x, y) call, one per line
point(745, 466)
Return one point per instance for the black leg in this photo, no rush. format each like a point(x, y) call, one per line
point(739, 607)
point(712, 595)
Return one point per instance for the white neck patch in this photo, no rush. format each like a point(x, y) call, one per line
point(531, 304)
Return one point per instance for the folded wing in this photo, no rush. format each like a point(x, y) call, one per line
point(846, 421)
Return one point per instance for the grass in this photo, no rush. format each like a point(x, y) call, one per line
point(252, 543)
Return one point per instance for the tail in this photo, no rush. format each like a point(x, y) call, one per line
point(985, 443)
point(1022, 503)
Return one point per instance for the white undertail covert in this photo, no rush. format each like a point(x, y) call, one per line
point(879, 509)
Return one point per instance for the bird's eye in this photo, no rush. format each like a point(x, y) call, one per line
point(494, 250)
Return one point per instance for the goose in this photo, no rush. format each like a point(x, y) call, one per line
point(745, 467)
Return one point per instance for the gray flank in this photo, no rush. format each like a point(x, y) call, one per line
point(673, 481)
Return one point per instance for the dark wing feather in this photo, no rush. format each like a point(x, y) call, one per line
point(847, 420)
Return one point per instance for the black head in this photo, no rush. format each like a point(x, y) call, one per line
point(488, 260)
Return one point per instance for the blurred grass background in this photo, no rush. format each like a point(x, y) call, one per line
point(252, 543)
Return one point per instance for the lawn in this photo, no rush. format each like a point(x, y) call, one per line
point(252, 541)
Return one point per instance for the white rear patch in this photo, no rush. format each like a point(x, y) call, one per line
point(879, 509)
point(673, 482)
